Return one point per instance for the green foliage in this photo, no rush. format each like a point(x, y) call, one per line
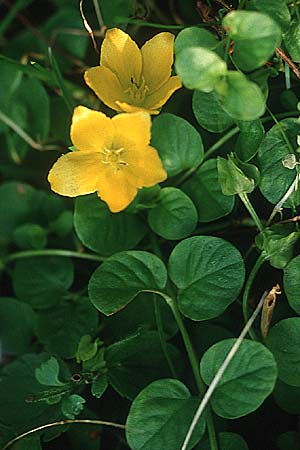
point(249, 379)
point(104, 316)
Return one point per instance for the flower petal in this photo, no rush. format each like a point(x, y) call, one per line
point(161, 95)
point(132, 128)
point(106, 86)
point(91, 130)
point(121, 55)
point(76, 173)
point(116, 190)
point(147, 166)
point(126, 107)
point(157, 55)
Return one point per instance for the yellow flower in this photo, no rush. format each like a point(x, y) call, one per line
point(113, 158)
point(130, 79)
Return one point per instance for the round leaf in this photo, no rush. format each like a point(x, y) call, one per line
point(199, 68)
point(246, 383)
point(241, 99)
point(275, 178)
point(289, 440)
point(276, 9)
point(122, 276)
point(209, 273)
point(292, 40)
point(255, 36)
point(205, 191)
point(209, 112)
point(291, 282)
point(284, 341)
point(105, 232)
point(287, 397)
point(227, 441)
point(249, 139)
point(178, 143)
point(194, 37)
point(175, 216)
point(42, 281)
point(160, 416)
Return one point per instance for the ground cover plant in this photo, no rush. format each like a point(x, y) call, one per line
point(149, 225)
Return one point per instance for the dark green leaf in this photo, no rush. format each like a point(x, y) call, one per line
point(278, 243)
point(289, 440)
point(284, 341)
point(209, 112)
point(209, 273)
point(156, 413)
point(249, 139)
point(122, 276)
point(42, 281)
point(105, 232)
point(227, 441)
point(116, 10)
point(291, 283)
point(205, 191)
point(61, 328)
point(248, 380)
point(287, 397)
point(72, 406)
point(30, 236)
point(291, 39)
point(136, 361)
point(175, 216)
point(178, 143)
point(99, 386)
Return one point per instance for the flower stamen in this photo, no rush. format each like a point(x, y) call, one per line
point(113, 157)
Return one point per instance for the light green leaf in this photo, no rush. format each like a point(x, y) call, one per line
point(209, 274)
point(246, 383)
point(48, 373)
point(236, 177)
point(276, 9)
point(194, 37)
point(291, 282)
point(122, 276)
point(72, 406)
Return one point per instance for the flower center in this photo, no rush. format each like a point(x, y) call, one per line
point(137, 90)
point(114, 158)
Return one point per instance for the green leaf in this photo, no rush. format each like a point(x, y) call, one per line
point(17, 205)
point(61, 328)
point(72, 406)
point(86, 348)
point(209, 273)
point(255, 36)
point(289, 440)
point(48, 373)
point(236, 177)
point(247, 381)
point(174, 216)
point(17, 321)
point(116, 10)
point(33, 443)
point(275, 178)
point(157, 413)
point(30, 236)
point(99, 386)
point(249, 139)
point(284, 341)
point(291, 283)
point(42, 281)
point(22, 411)
point(105, 232)
point(276, 9)
point(287, 397)
point(178, 143)
point(209, 112)
point(205, 191)
point(122, 276)
point(240, 98)
point(194, 37)
point(227, 441)
point(199, 68)
point(278, 243)
point(291, 39)
point(139, 314)
point(136, 361)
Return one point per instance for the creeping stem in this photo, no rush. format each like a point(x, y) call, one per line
point(52, 252)
point(252, 212)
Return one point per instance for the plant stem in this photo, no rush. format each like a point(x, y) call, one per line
point(252, 212)
point(52, 252)
point(195, 368)
point(63, 422)
point(259, 262)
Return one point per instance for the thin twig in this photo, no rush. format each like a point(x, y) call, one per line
point(98, 14)
point(289, 62)
point(62, 422)
point(87, 26)
point(278, 207)
point(221, 371)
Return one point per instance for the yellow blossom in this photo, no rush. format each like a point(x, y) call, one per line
point(130, 79)
point(113, 158)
